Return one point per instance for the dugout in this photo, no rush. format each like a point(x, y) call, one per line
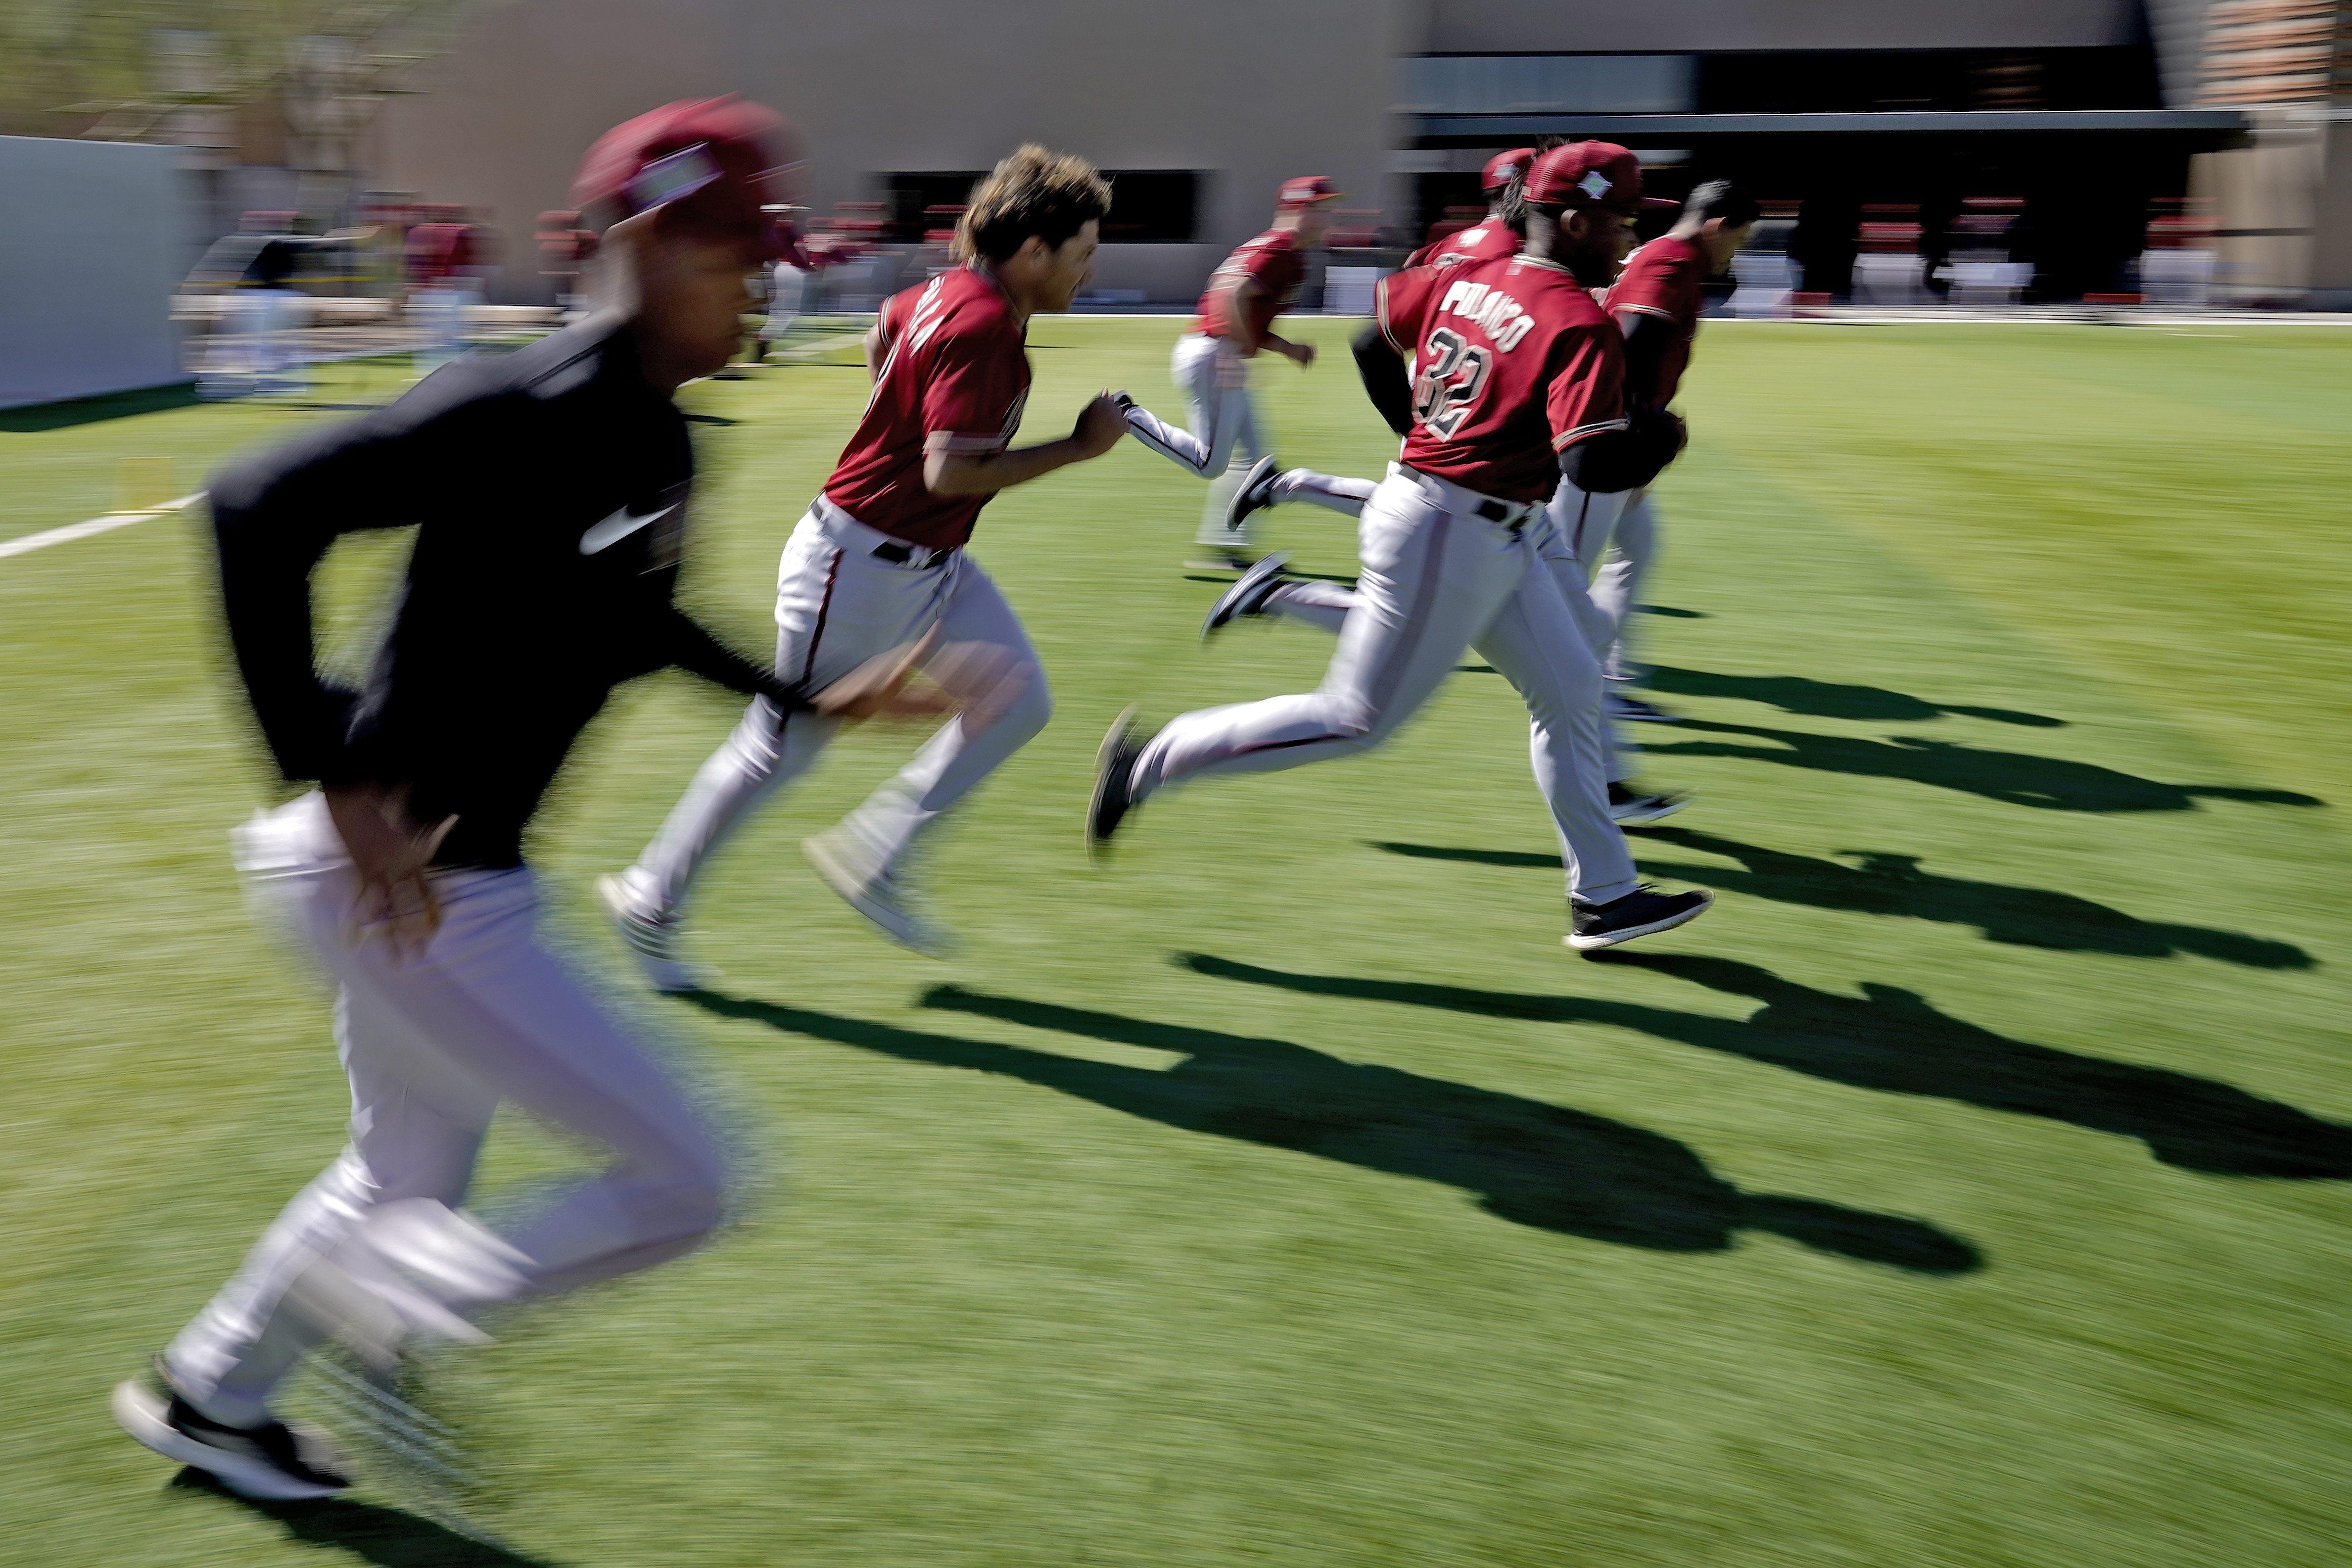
point(94, 242)
point(2089, 179)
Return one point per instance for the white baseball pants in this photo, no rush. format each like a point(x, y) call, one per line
point(1224, 443)
point(1437, 580)
point(432, 1046)
point(837, 605)
point(1617, 586)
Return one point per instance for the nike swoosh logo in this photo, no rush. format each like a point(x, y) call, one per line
point(618, 526)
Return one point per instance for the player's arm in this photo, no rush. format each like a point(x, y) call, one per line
point(1387, 382)
point(949, 469)
point(274, 519)
point(1600, 450)
point(878, 688)
point(1648, 335)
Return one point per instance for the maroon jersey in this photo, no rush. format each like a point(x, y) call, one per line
point(1662, 278)
point(1272, 260)
point(1479, 242)
point(953, 375)
point(1512, 363)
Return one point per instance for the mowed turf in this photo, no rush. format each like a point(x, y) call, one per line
point(1967, 1188)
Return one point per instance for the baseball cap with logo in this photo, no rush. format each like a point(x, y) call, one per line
point(1589, 175)
point(1504, 168)
point(716, 160)
point(1306, 190)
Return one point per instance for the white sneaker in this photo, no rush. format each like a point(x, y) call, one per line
point(272, 1461)
point(848, 868)
point(653, 942)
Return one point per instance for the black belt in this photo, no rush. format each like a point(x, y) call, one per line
point(1493, 511)
point(898, 554)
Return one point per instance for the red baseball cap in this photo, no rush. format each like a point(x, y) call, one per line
point(1589, 175)
point(1306, 190)
point(718, 161)
point(1504, 168)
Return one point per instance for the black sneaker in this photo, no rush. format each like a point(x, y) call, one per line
point(1631, 808)
point(272, 1460)
point(1633, 711)
point(1639, 913)
point(1114, 781)
point(1255, 495)
point(1249, 594)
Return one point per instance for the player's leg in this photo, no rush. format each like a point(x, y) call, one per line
point(1197, 366)
point(862, 858)
point(767, 750)
point(1224, 529)
point(1536, 644)
point(493, 1003)
point(1617, 587)
point(1333, 492)
point(1431, 582)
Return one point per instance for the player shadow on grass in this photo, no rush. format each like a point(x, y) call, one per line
point(1888, 884)
point(2052, 784)
point(385, 1536)
point(1525, 1161)
point(1826, 700)
point(1892, 1039)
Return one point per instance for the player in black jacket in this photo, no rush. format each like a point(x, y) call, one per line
point(549, 490)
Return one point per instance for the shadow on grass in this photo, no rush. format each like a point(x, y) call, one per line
point(1525, 1161)
point(1890, 1039)
point(1887, 884)
point(1823, 699)
point(2052, 784)
point(1670, 610)
point(42, 417)
point(385, 1536)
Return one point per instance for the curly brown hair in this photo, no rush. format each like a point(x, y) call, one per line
point(1050, 194)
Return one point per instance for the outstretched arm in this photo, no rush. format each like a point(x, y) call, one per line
point(951, 473)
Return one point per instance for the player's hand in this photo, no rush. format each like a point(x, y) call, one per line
point(393, 856)
point(1100, 425)
point(882, 686)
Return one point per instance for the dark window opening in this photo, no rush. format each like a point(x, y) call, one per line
point(1148, 207)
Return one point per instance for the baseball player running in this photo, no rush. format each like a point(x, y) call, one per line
point(1266, 590)
point(1498, 234)
point(1517, 382)
point(1251, 287)
point(1655, 301)
point(879, 559)
point(548, 491)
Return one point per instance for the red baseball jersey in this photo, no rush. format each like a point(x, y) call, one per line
point(1512, 363)
point(1662, 278)
point(1479, 242)
point(952, 378)
point(1272, 260)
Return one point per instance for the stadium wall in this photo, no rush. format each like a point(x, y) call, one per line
point(1245, 93)
point(93, 247)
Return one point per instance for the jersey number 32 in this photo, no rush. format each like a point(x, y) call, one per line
point(1452, 375)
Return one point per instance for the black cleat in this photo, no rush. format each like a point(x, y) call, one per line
point(1632, 710)
point(1216, 558)
point(1114, 782)
point(272, 1460)
point(1249, 594)
point(1639, 913)
point(1256, 494)
point(1632, 809)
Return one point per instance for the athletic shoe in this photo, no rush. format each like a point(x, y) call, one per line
point(1256, 494)
point(1114, 801)
point(1634, 710)
point(1631, 808)
point(653, 942)
point(848, 868)
point(1639, 913)
point(1249, 594)
point(1216, 558)
point(273, 1460)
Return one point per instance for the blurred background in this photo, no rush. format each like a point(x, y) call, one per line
point(2014, 156)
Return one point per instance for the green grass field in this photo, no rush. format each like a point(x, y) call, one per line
point(1969, 1188)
